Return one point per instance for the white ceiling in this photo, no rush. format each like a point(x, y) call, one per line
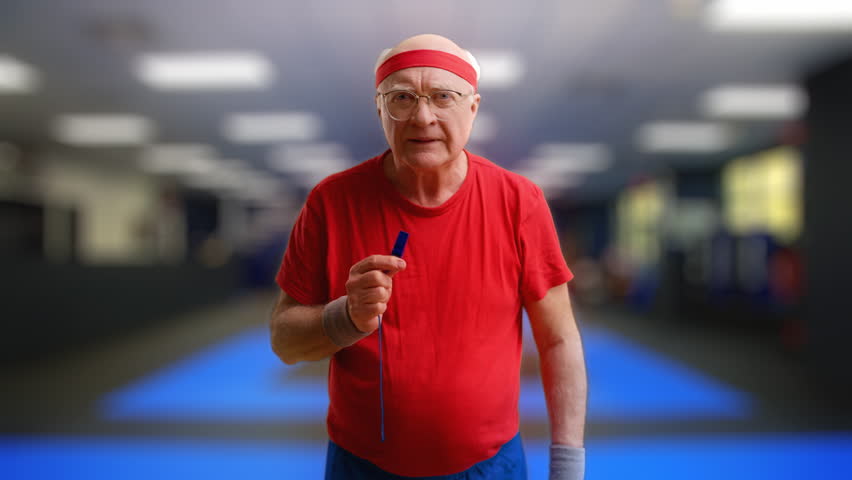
point(595, 71)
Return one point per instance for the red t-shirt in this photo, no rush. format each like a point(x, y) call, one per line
point(452, 329)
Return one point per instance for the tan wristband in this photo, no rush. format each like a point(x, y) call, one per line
point(337, 325)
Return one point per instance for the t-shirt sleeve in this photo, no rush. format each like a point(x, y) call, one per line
point(543, 265)
point(303, 270)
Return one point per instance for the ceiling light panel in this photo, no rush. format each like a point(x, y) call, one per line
point(499, 68)
point(178, 158)
point(310, 160)
point(272, 127)
point(683, 137)
point(229, 175)
point(205, 70)
point(549, 181)
point(103, 129)
point(754, 102)
point(570, 158)
point(782, 16)
point(16, 76)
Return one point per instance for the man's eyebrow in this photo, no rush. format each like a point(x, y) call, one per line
point(400, 86)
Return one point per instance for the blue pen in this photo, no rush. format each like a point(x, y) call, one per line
point(398, 248)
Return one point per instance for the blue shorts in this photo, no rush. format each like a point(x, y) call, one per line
point(509, 463)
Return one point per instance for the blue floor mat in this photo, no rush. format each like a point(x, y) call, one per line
point(730, 457)
point(241, 380)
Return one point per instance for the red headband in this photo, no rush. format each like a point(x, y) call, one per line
point(427, 58)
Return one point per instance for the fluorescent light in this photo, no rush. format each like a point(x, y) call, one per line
point(243, 183)
point(228, 175)
point(311, 162)
point(202, 71)
point(549, 181)
point(302, 151)
point(315, 165)
point(556, 167)
point(186, 166)
point(794, 16)
point(260, 189)
point(499, 68)
point(272, 127)
point(543, 180)
point(103, 129)
point(570, 158)
point(176, 152)
point(683, 137)
point(16, 77)
point(178, 158)
point(484, 128)
point(754, 101)
point(217, 178)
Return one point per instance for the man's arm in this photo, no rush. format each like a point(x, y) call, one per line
point(563, 372)
point(297, 333)
point(313, 332)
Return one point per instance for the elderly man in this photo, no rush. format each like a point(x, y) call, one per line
point(425, 351)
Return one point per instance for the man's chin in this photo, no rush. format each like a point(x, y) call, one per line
point(426, 159)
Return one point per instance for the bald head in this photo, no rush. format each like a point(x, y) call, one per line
point(428, 41)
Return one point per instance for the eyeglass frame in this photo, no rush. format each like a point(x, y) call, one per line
point(417, 105)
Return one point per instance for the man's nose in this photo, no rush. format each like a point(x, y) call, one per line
point(423, 113)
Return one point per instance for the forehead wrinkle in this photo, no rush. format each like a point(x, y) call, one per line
point(445, 80)
point(410, 87)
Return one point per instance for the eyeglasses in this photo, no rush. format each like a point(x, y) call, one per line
point(401, 104)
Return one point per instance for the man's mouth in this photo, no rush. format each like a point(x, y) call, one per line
point(422, 140)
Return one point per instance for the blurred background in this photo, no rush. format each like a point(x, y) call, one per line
point(153, 156)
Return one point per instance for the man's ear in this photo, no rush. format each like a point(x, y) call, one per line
point(474, 105)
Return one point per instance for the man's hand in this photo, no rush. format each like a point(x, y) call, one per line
point(369, 289)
